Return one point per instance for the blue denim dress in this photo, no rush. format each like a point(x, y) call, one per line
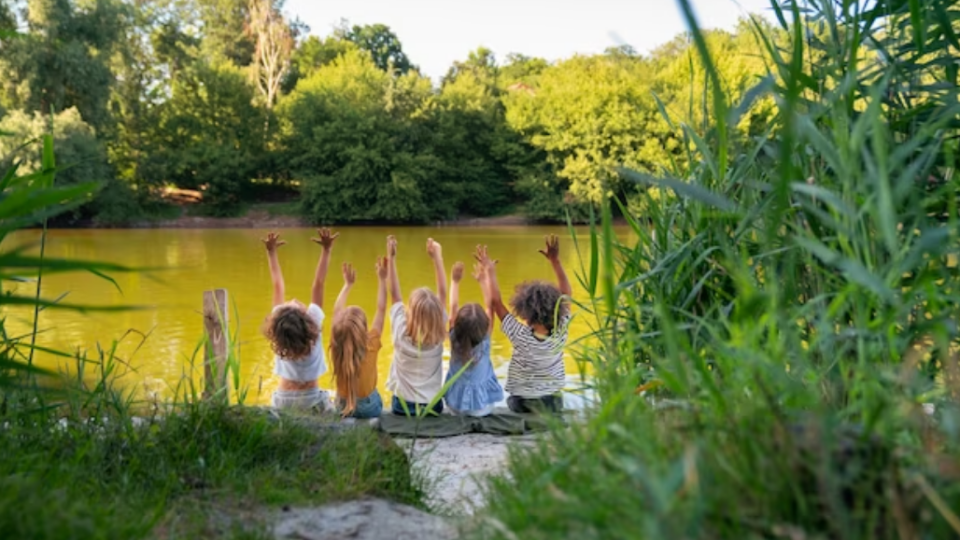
point(478, 386)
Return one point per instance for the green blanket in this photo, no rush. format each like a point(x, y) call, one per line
point(498, 423)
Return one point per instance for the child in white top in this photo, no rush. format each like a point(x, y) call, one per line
point(536, 375)
point(416, 374)
point(294, 331)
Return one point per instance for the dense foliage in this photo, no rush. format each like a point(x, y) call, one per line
point(778, 341)
point(246, 105)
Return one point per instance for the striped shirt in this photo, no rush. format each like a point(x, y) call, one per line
point(536, 367)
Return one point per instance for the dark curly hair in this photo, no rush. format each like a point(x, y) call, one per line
point(291, 332)
point(536, 302)
point(469, 329)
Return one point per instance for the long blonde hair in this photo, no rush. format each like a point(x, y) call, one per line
point(425, 318)
point(348, 348)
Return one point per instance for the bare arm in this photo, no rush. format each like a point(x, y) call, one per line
point(272, 242)
point(436, 253)
point(455, 276)
point(392, 279)
point(377, 325)
point(552, 253)
point(492, 287)
point(326, 242)
point(349, 278)
point(480, 274)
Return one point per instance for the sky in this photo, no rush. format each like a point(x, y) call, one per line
point(435, 33)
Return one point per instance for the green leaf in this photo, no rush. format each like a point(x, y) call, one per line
point(854, 270)
point(683, 189)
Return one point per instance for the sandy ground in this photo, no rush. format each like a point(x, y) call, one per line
point(454, 467)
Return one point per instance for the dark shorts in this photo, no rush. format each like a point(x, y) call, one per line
point(551, 404)
point(413, 408)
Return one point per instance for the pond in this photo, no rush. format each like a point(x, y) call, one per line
point(195, 260)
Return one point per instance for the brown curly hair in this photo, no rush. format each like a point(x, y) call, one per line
point(536, 302)
point(469, 329)
point(291, 332)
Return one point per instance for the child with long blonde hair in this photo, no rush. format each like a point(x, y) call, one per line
point(416, 373)
point(294, 331)
point(354, 348)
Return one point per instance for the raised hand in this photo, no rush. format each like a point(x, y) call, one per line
point(272, 242)
point(434, 249)
point(326, 238)
point(552, 253)
point(382, 268)
point(349, 274)
point(457, 272)
point(392, 247)
point(483, 258)
point(479, 272)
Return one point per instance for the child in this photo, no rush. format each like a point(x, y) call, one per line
point(536, 375)
point(294, 332)
point(354, 349)
point(476, 389)
point(416, 373)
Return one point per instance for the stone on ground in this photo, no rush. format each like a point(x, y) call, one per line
point(370, 519)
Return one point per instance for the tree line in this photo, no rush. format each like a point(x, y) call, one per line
point(232, 98)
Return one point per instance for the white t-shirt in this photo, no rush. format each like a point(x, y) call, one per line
point(416, 374)
point(536, 367)
point(311, 367)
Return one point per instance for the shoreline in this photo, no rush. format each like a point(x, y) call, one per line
point(263, 218)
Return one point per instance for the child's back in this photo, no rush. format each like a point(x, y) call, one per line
point(475, 388)
point(536, 366)
point(416, 373)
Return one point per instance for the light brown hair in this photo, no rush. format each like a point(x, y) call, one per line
point(348, 349)
point(291, 332)
point(469, 329)
point(425, 318)
point(536, 303)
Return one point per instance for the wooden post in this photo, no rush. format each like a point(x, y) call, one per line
point(216, 345)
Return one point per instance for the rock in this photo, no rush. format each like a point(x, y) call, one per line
point(370, 519)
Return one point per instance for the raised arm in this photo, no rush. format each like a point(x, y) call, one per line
point(393, 280)
point(377, 325)
point(493, 288)
point(435, 251)
point(271, 243)
point(480, 274)
point(326, 243)
point(552, 253)
point(349, 278)
point(456, 274)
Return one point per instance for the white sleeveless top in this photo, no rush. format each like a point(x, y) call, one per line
point(309, 368)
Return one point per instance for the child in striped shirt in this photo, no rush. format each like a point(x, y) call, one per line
point(536, 376)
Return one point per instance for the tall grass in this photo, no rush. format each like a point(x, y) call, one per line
point(795, 300)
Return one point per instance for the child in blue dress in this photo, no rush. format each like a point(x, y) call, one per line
point(475, 389)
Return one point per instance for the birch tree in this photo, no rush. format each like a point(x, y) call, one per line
point(273, 44)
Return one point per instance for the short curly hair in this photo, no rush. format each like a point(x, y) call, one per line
point(539, 302)
point(292, 333)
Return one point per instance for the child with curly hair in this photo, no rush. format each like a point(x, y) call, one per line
point(536, 376)
point(294, 331)
point(475, 388)
point(416, 373)
point(354, 348)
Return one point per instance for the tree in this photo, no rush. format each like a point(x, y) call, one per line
point(382, 44)
point(63, 59)
point(224, 31)
point(209, 136)
point(273, 43)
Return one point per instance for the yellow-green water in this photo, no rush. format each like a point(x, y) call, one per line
point(234, 259)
